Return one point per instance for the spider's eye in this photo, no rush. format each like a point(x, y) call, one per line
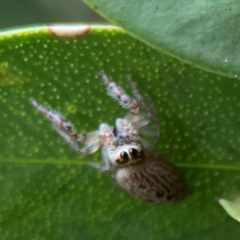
point(133, 152)
point(124, 156)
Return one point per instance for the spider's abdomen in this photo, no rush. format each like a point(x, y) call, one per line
point(154, 179)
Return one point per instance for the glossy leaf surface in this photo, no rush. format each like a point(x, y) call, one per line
point(202, 33)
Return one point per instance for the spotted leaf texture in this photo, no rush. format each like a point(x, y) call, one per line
point(47, 192)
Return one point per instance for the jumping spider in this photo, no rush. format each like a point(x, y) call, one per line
point(135, 166)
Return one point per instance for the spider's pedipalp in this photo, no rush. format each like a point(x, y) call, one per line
point(125, 127)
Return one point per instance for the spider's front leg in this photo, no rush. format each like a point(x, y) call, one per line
point(67, 131)
point(139, 119)
point(117, 93)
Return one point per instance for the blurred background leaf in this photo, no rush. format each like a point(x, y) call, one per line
point(25, 12)
point(203, 33)
point(46, 192)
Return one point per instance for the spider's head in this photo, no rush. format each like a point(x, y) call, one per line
point(122, 143)
point(125, 154)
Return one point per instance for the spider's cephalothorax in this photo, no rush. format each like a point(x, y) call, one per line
point(135, 166)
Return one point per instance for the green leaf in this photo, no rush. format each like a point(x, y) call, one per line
point(232, 207)
point(203, 33)
point(47, 193)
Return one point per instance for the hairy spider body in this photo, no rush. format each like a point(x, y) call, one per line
point(135, 165)
point(154, 179)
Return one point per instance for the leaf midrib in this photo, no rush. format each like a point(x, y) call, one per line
point(66, 162)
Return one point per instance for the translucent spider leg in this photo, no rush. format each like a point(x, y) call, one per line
point(147, 105)
point(102, 167)
point(149, 116)
point(67, 131)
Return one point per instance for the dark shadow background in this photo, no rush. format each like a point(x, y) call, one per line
point(14, 13)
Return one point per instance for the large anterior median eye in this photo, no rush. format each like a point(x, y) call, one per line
point(124, 156)
point(133, 152)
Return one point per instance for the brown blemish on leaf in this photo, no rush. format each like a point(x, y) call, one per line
point(69, 31)
point(7, 78)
